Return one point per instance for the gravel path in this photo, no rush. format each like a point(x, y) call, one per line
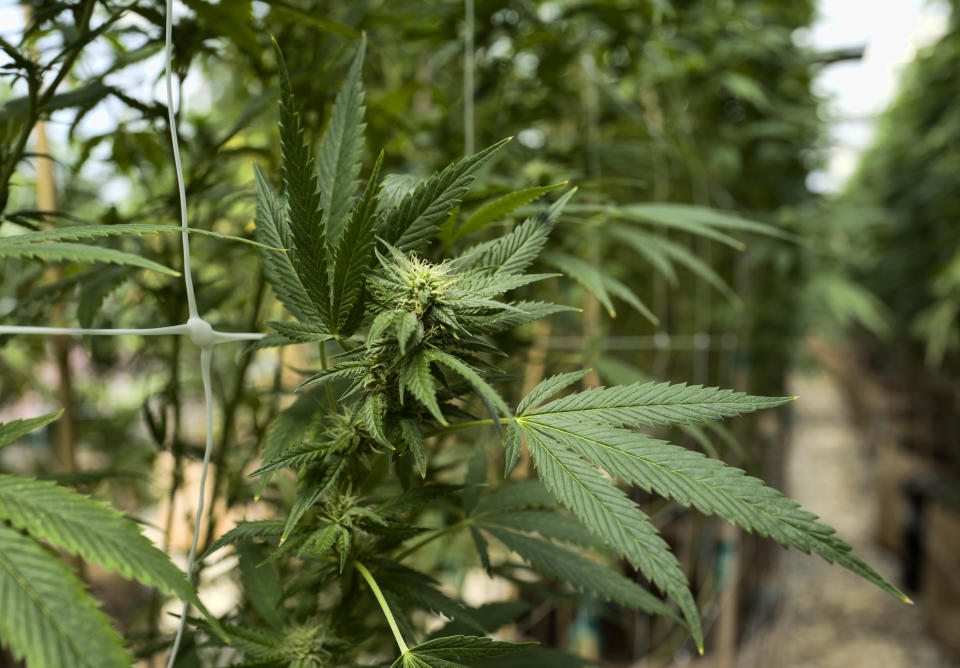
point(829, 618)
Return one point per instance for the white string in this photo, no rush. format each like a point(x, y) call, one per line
point(468, 63)
point(206, 357)
point(57, 331)
point(168, 76)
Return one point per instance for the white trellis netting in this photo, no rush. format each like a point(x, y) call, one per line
point(196, 328)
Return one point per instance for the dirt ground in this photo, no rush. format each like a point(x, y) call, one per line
point(827, 617)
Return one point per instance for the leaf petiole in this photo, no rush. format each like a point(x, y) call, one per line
point(375, 588)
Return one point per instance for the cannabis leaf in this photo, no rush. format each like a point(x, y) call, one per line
point(46, 616)
point(338, 162)
point(455, 651)
point(66, 251)
point(414, 221)
point(91, 530)
point(123, 230)
point(303, 200)
point(353, 258)
point(495, 210)
point(272, 229)
point(11, 431)
point(573, 437)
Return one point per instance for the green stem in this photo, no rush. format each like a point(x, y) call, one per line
point(437, 533)
point(488, 422)
point(383, 605)
point(326, 386)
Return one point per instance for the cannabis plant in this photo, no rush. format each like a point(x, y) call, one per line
point(379, 472)
point(390, 443)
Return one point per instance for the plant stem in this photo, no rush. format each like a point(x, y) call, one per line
point(437, 533)
point(488, 422)
point(326, 386)
point(383, 605)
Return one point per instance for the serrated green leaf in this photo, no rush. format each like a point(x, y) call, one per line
point(413, 222)
point(12, 431)
point(511, 446)
point(308, 493)
point(464, 648)
point(297, 332)
point(490, 397)
point(711, 487)
point(619, 521)
point(123, 230)
point(409, 331)
point(520, 313)
point(303, 201)
point(416, 589)
point(549, 387)
point(413, 438)
point(582, 573)
point(91, 530)
point(245, 531)
point(287, 427)
point(272, 229)
point(548, 523)
point(372, 413)
point(514, 252)
point(46, 616)
point(417, 378)
point(354, 254)
point(523, 494)
point(65, 251)
point(338, 162)
point(499, 208)
point(653, 404)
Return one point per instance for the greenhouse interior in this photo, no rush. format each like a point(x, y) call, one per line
point(514, 333)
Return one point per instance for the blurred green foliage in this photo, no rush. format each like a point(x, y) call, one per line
point(906, 196)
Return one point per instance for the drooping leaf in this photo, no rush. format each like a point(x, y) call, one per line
point(417, 378)
point(599, 284)
point(582, 573)
point(710, 486)
point(494, 401)
point(89, 529)
point(463, 649)
point(260, 585)
point(619, 521)
point(46, 616)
